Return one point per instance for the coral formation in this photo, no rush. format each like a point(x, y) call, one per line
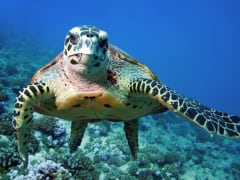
point(172, 156)
point(2, 109)
point(51, 170)
point(6, 128)
point(132, 168)
point(170, 172)
point(8, 155)
point(45, 170)
point(154, 154)
point(116, 174)
point(100, 128)
point(148, 174)
point(45, 124)
point(3, 95)
point(235, 168)
point(33, 144)
point(53, 129)
point(80, 166)
point(143, 160)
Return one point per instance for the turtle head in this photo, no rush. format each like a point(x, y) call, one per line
point(85, 48)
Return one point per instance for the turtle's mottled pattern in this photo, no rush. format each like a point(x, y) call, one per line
point(213, 121)
point(92, 80)
point(23, 113)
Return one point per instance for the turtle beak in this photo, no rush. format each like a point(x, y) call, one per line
point(83, 59)
point(87, 59)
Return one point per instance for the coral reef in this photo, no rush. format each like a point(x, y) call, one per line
point(9, 157)
point(170, 172)
point(148, 174)
point(78, 161)
point(172, 156)
point(78, 164)
point(45, 124)
point(51, 170)
point(235, 168)
point(2, 109)
point(53, 129)
point(33, 144)
point(3, 95)
point(100, 128)
point(132, 168)
point(45, 170)
point(117, 174)
point(153, 154)
point(6, 128)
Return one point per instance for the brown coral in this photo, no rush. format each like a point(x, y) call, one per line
point(6, 128)
point(45, 124)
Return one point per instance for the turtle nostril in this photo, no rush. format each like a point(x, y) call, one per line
point(73, 62)
point(89, 35)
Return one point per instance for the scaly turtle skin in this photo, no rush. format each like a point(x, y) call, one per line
point(92, 80)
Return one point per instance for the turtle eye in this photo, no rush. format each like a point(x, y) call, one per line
point(73, 38)
point(103, 42)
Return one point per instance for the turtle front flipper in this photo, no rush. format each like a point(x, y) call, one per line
point(211, 120)
point(24, 108)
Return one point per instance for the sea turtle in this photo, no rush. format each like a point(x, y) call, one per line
point(92, 80)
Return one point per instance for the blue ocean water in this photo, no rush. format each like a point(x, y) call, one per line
point(192, 46)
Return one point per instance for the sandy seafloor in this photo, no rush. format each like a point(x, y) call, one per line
point(170, 147)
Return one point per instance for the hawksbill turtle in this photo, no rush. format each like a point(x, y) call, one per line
point(92, 80)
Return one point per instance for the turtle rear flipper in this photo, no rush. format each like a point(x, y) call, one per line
point(77, 132)
point(131, 131)
point(211, 120)
point(24, 107)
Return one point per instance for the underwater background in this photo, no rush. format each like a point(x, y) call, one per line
point(192, 46)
